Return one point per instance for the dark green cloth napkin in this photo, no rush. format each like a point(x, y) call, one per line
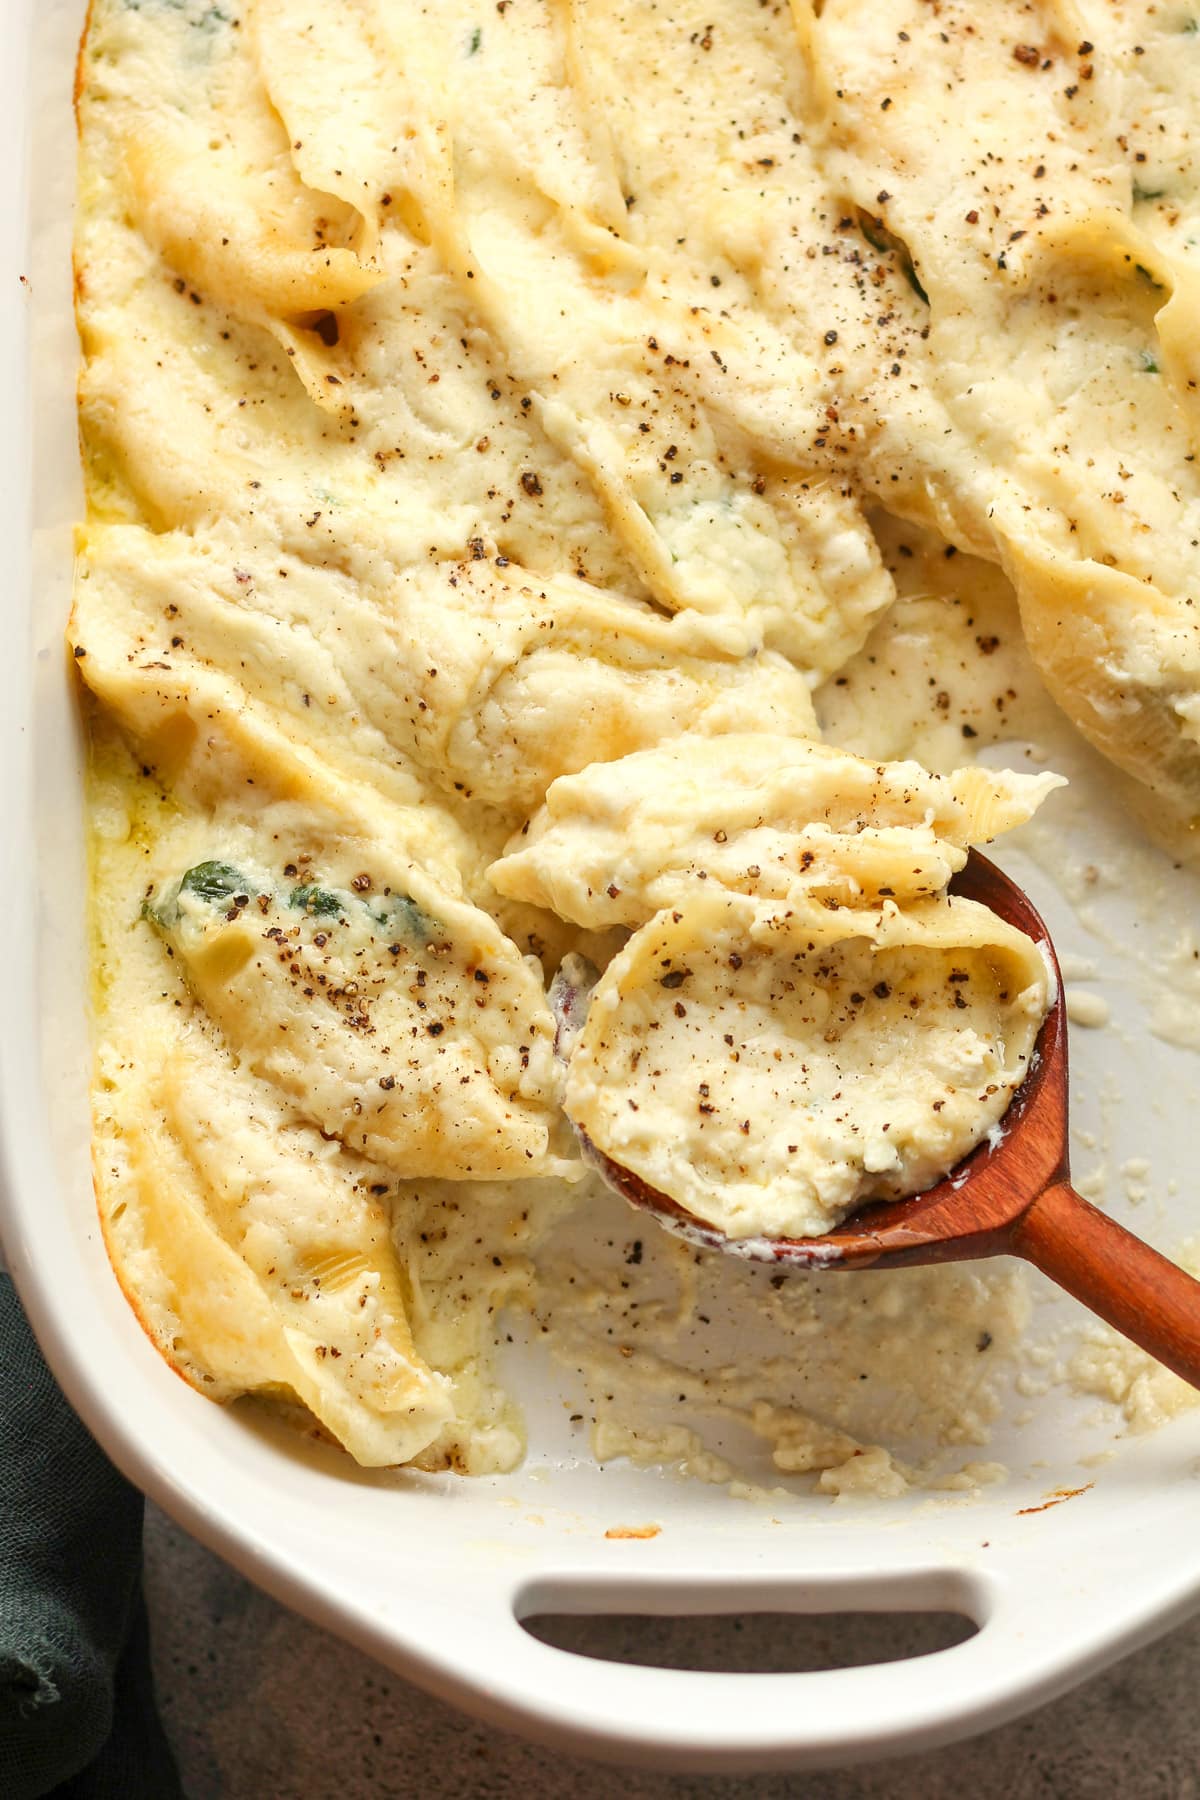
point(78, 1718)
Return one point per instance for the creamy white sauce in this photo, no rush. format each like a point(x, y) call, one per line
point(494, 477)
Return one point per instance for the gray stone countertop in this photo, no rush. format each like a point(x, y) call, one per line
point(261, 1705)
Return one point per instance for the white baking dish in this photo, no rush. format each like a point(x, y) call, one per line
point(434, 1574)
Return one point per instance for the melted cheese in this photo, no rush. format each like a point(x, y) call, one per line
point(488, 468)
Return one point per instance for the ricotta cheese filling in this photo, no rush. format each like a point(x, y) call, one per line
point(802, 1018)
point(770, 1071)
point(558, 482)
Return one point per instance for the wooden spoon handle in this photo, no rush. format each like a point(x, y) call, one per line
point(1129, 1285)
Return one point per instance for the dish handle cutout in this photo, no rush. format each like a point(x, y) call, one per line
point(680, 1669)
point(759, 1642)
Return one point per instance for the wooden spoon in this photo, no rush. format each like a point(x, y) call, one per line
point(1012, 1196)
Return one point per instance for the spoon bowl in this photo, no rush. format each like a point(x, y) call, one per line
point(1010, 1195)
